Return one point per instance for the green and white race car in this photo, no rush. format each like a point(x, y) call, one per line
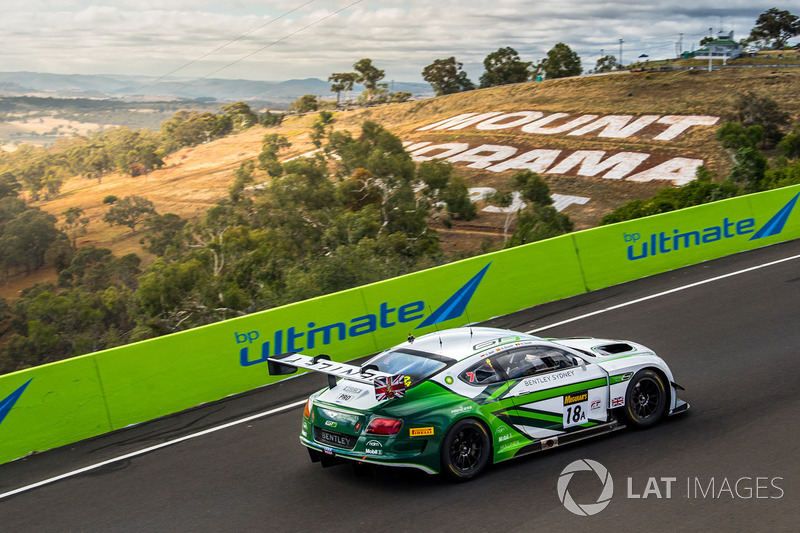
point(454, 401)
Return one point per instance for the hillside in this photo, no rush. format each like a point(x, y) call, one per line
point(593, 170)
point(662, 94)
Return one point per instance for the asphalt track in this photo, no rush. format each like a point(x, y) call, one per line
point(731, 464)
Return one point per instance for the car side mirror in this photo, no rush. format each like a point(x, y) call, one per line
point(579, 362)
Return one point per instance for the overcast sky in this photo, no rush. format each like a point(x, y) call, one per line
point(280, 40)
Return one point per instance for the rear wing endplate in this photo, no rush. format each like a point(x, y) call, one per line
point(386, 385)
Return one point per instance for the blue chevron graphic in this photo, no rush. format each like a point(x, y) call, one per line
point(455, 305)
point(10, 400)
point(776, 223)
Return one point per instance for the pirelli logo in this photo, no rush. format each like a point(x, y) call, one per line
point(420, 432)
point(576, 397)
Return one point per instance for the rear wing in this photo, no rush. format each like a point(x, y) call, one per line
point(387, 386)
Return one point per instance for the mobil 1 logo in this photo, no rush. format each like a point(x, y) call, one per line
point(576, 405)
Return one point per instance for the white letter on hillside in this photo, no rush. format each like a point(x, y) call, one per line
point(480, 193)
point(535, 161)
point(678, 169)
point(615, 126)
point(516, 205)
point(563, 201)
point(496, 123)
point(680, 123)
point(449, 149)
point(618, 165)
point(538, 126)
point(495, 153)
point(411, 146)
point(460, 121)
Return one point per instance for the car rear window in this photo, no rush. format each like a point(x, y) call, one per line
point(415, 364)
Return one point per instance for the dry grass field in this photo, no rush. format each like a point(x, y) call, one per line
point(192, 180)
point(41, 131)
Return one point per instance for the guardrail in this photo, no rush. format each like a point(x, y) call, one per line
point(61, 403)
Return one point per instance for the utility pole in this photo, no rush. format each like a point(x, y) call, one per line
point(708, 45)
point(620, 52)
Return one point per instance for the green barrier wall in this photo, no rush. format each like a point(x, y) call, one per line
point(168, 374)
point(78, 398)
point(510, 281)
point(49, 406)
point(634, 249)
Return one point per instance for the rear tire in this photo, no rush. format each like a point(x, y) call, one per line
point(645, 399)
point(466, 450)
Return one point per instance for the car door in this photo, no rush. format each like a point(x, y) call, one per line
point(553, 390)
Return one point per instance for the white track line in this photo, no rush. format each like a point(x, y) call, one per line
point(151, 449)
point(298, 404)
point(660, 294)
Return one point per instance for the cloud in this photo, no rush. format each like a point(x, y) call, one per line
point(401, 36)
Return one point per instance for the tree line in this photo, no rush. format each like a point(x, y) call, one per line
point(447, 76)
point(773, 28)
point(321, 224)
point(13, 108)
point(375, 91)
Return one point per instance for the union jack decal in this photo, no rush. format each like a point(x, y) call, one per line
point(616, 402)
point(387, 387)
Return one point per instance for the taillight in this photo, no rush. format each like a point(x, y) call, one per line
point(307, 410)
point(384, 426)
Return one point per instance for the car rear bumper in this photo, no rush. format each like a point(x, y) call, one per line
point(334, 455)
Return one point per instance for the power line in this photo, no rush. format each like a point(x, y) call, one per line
point(217, 49)
point(193, 61)
point(268, 45)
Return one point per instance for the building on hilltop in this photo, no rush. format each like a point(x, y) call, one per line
point(723, 47)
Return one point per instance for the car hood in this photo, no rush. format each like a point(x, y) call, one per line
point(604, 348)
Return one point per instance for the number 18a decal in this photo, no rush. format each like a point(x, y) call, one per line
point(576, 405)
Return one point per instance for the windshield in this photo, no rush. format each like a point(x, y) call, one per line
point(415, 364)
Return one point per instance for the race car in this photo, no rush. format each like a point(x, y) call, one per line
point(454, 401)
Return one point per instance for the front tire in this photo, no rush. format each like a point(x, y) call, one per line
point(645, 399)
point(465, 450)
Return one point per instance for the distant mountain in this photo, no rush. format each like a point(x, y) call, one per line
point(143, 87)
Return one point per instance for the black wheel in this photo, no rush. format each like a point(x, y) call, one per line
point(465, 450)
point(646, 399)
